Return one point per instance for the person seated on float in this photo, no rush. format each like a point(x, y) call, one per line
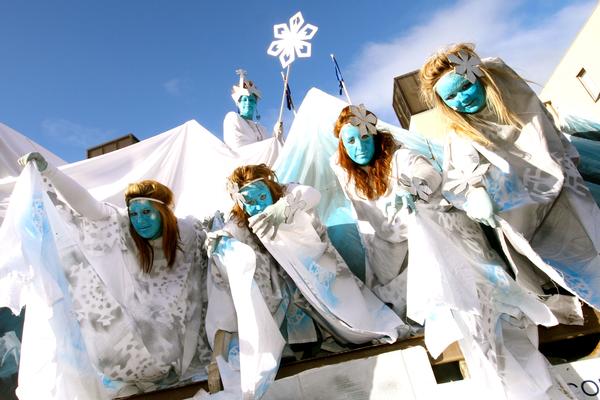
point(239, 128)
point(136, 278)
point(275, 241)
point(434, 257)
point(382, 180)
point(508, 167)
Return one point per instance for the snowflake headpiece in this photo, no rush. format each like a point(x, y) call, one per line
point(363, 120)
point(245, 87)
point(466, 64)
point(234, 189)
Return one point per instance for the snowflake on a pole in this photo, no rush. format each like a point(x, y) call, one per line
point(292, 41)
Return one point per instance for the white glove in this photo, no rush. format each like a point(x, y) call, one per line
point(278, 130)
point(37, 158)
point(283, 211)
point(402, 200)
point(479, 207)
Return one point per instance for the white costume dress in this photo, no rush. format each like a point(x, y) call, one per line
point(142, 329)
point(549, 222)
point(385, 239)
point(238, 131)
point(452, 282)
point(293, 280)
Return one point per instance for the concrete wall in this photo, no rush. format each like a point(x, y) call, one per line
point(564, 89)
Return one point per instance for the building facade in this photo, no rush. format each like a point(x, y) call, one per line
point(574, 86)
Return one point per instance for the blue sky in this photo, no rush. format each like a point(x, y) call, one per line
point(77, 73)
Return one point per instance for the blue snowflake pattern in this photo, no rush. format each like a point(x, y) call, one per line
point(324, 280)
point(505, 189)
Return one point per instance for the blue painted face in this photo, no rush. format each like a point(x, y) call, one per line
point(247, 106)
point(257, 197)
point(360, 148)
point(145, 219)
point(460, 94)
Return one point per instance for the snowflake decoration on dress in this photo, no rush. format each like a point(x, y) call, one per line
point(292, 41)
point(415, 186)
point(467, 65)
point(458, 181)
point(364, 121)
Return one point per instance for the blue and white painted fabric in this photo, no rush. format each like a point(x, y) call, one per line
point(295, 283)
point(54, 363)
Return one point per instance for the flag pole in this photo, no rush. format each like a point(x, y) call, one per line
point(287, 86)
point(338, 73)
point(285, 82)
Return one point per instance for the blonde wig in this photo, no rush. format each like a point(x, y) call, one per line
point(464, 124)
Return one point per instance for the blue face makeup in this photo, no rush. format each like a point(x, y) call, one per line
point(460, 94)
point(145, 219)
point(359, 148)
point(257, 197)
point(247, 106)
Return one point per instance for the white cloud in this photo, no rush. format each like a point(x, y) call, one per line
point(173, 86)
point(74, 134)
point(495, 26)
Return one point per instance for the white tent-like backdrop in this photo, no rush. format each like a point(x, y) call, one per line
point(188, 159)
point(13, 145)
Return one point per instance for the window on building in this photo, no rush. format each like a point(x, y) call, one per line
point(588, 83)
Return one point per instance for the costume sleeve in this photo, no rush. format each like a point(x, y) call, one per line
point(77, 196)
point(463, 170)
point(415, 174)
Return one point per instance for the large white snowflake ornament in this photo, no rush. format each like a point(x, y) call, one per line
point(466, 64)
point(292, 41)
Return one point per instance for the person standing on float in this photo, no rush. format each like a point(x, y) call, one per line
point(239, 128)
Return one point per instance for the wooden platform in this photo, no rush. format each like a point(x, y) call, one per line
point(550, 338)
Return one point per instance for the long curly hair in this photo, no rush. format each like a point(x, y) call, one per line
point(371, 182)
point(170, 230)
point(464, 124)
point(246, 173)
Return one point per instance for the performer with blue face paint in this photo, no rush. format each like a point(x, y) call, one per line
point(383, 182)
point(145, 218)
point(460, 94)
point(359, 147)
point(507, 166)
point(240, 129)
point(275, 242)
point(136, 278)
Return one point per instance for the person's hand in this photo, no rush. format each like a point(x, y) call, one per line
point(283, 211)
point(278, 130)
point(479, 207)
point(402, 200)
point(37, 158)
